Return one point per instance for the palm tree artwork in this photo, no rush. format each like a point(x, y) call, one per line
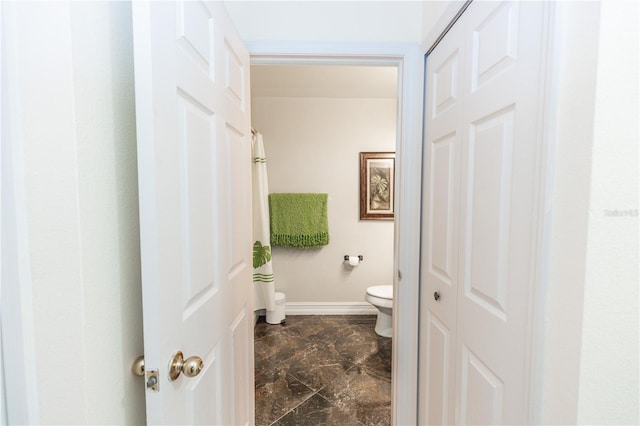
point(376, 185)
point(380, 195)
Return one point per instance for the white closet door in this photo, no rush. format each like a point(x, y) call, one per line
point(498, 204)
point(440, 206)
point(490, 201)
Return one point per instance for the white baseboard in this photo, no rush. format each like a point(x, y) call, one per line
point(330, 308)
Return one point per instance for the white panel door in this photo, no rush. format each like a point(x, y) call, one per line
point(193, 128)
point(440, 206)
point(501, 156)
point(490, 201)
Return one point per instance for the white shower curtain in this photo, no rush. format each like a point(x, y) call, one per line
point(263, 281)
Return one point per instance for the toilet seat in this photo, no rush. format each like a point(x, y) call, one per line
point(381, 291)
point(380, 296)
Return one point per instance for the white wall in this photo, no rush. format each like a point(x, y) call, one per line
point(609, 374)
point(313, 145)
point(346, 21)
point(432, 12)
point(74, 124)
point(567, 207)
point(589, 371)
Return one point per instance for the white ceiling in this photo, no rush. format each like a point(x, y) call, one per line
point(324, 81)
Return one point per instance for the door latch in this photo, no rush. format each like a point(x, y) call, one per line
point(153, 381)
point(151, 376)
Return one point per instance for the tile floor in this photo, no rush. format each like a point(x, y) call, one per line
point(322, 370)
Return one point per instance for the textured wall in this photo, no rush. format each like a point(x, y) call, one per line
point(609, 365)
point(76, 128)
point(589, 369)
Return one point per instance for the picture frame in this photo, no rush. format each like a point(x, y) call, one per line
point(377, 183)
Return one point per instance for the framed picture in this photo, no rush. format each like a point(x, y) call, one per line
point(377, 180)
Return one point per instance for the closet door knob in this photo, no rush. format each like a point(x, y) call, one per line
point(436, 295)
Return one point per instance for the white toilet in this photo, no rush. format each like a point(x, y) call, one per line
point(381, 296)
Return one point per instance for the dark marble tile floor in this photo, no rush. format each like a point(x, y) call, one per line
point(322, 370)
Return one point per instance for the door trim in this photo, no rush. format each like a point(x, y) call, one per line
point(446, 21)
point(409, 60)
point(20, 385)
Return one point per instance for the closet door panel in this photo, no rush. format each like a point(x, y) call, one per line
point(500, 156)
point(438, 372)
point(443, 127)
point(488, 201)
point(482, 395)
point(494, 44)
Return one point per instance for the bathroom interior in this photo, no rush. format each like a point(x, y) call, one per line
point(322, 355)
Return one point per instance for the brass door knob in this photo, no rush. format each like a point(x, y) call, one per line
point(138, 366)
point(190, 367)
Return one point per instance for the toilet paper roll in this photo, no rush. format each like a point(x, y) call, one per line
point(354, 261)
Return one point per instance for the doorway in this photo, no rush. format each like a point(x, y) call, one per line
point(407, 58)
point(315, 120)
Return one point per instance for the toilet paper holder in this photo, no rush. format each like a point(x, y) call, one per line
point(360, 257)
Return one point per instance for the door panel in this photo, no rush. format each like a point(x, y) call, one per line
point(440, 204)
point(194, 169)
point(194, 34)
point(482, 393)
point(204, 391)
point(446, 84)
point(494, 45)
point(438, 371)
point(441, 226)
point(499, 157)
point(234, 77)
point(194, 130)
point(237, 149)
point(481, 154)
point(488, 196)
point(242, 369)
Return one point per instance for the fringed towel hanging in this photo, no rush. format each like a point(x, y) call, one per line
point(299, 220)
point(263, 280)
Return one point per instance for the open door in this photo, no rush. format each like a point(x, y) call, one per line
point(194, 157)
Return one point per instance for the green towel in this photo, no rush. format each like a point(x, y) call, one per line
point(299, 220)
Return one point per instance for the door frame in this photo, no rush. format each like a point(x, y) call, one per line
point(409, 60)
point(20, 390)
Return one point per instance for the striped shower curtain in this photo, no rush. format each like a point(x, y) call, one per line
point(263, 281)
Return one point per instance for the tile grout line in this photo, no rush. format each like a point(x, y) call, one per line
point(293, 409)
point(349, 361)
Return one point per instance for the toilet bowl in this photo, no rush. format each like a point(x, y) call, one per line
point(381, 296)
